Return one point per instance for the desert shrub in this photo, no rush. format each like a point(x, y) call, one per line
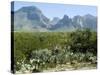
point(47, 50)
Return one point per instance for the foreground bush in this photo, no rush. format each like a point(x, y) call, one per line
point(38, 51)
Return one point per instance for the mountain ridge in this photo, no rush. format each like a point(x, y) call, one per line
point(31, 18)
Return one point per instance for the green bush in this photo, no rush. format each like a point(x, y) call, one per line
point(48, 49)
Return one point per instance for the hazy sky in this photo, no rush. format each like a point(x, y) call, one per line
point(58, 10)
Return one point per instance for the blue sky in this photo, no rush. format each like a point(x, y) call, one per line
point(51, 10)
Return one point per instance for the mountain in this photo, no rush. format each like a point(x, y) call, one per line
point(54, 21)
point(78, 21)
point(31, 18)
point(90, 21)
point(86, 21)
point(65, 24)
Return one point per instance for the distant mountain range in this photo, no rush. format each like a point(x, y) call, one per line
point(31, 18)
